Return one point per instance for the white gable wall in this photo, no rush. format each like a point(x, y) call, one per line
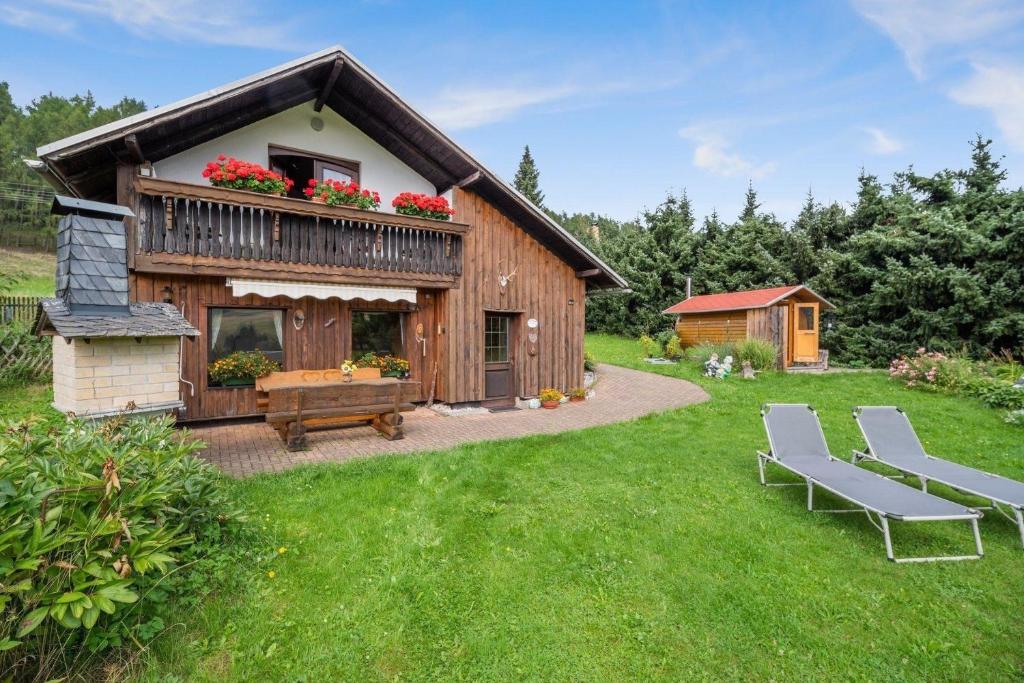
point(378, 169)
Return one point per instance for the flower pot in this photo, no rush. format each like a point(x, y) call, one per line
point(550, 405)
point(347, 377)
point(237, 382)
point(318, 200)
point(577, 399)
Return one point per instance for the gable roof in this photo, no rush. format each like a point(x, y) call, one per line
point(85, 164)
point(739, 301)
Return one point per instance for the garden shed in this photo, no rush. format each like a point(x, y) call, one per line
point(788, 317)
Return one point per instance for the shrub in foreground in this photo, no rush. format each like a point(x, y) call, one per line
point(94, 519)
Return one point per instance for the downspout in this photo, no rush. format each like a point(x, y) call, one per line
point(181, 354)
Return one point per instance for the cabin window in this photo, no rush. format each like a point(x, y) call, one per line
point(805, 321)
point(379, 332)
point(245, 329)
point(301, 166)
point(496, 339)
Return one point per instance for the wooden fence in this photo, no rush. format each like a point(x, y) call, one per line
point(22, 356)
point(21, 309)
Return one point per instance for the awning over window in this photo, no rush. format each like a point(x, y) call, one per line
point(297, 290)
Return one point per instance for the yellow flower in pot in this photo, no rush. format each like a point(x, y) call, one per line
point(550, 398)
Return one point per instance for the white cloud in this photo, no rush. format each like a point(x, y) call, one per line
point(918, 27)
point(192, 21)
point(1001, 90)
point(24, 18)
point(881, 142)
point(457, 108)
point(712, 153)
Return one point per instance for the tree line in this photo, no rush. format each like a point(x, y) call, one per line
point(923, 260)
point(25, 198)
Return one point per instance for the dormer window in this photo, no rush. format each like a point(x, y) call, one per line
point(300, 166)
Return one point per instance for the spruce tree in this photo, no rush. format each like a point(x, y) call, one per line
point(527, 179)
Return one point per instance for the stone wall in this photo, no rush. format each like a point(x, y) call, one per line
point(102, 376)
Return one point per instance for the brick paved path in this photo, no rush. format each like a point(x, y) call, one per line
point(242, 449)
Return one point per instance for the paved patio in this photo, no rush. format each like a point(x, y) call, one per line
point(243, 449)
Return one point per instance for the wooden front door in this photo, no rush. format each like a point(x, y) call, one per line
point(804, 333)
point(499, 371)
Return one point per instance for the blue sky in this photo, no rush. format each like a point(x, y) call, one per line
point(620, 103)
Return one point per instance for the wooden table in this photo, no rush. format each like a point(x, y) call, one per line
point(300, 400)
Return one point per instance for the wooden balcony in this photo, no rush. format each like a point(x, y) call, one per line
point(204, 230)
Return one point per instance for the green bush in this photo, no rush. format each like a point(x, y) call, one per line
point(589, 362)
point(761, 354)
point(958, 374)
point(93, 520)
point(650, 347)
point(701, 353)
point(664, 337)
point(674, 348)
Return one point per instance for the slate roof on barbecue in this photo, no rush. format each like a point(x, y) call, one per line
point(143, 320)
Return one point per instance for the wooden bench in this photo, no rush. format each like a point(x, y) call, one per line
point(294, 409)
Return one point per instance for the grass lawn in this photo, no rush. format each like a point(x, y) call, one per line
point(645, 550)
point(35, 271)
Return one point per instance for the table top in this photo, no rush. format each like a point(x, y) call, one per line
point(305, 378)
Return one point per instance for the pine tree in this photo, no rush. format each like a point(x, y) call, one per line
point(527, 179)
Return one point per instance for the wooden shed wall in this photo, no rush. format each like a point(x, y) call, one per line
point(542, 287)
point(714, 327)
point(771, 324)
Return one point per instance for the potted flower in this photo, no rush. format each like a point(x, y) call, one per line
point(550, 398)
point(389, 366)
point(347, 368)
point(241, 368)
point(341, 193)
point(424, 205)
point(234, 174)
point(577, 394)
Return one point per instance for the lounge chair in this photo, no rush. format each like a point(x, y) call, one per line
point(798, 445)
point(891, 440)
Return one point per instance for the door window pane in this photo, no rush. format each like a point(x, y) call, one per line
point(245, 329)
point(805, 321)
point(379, 332)
point(340, 176)
point(496, 339)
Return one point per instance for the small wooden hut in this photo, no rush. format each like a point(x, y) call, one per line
point(789, 317)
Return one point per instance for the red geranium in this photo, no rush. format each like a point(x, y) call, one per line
point(427, 206)
point(245, 175)
point(342, 193)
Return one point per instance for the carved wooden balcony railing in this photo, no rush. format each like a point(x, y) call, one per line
point(212, 229)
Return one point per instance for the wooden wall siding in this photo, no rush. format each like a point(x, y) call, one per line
point(714, 327)
point(315, 346)
point(541, 288)
point(771, 324)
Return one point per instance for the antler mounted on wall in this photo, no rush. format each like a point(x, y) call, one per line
point(503, 279)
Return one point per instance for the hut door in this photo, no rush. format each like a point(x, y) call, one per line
point(499, 375)
point(805, 333)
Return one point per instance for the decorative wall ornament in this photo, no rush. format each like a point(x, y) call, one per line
point(531, 336)
point(505, 279)
point(298, 318)
point(420, 339)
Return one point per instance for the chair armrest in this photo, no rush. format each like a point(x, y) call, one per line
point(767, 456)
point(861, 455)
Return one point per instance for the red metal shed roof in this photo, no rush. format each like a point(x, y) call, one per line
point(738, 301)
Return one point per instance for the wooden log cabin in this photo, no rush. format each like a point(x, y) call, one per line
point(789, 317)
point(487, 307)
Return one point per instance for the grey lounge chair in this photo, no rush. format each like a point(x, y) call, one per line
point(891, 440)
point(798, 445)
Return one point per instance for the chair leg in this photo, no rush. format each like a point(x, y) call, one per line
point(760, 469)
point(810, 496)
point(1020, 523)
point(977, 536)
point(924, 484)
point(888, 538)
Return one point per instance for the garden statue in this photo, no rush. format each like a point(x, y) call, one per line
point(711, 366)
point(748, 370)
point(725, 369)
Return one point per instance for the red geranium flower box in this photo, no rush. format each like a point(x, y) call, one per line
point(245, 175)
point(423, 205)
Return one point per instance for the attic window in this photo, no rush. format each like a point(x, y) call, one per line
point(300, 166)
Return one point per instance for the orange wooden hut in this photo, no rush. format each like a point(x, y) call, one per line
point(789, 317)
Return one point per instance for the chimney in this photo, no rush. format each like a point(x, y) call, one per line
point(92, 256)
point(689, 286)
